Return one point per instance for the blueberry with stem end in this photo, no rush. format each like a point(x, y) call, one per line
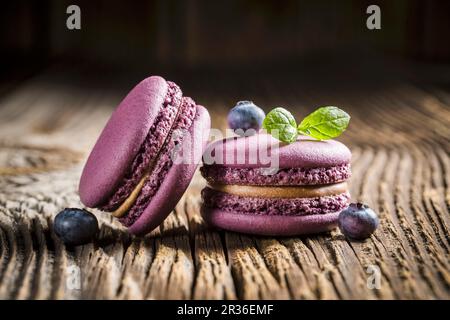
point(75, 226)
point(245, 118)
point(358, 221)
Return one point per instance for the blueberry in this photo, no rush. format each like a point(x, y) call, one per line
point(75, 226)
point(244, 116)
point(358, 221)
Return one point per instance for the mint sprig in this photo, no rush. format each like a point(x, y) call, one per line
point(323, 124)
point(281, 124)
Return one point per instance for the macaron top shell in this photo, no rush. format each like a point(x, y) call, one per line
point(261, 150)
point(121, 140)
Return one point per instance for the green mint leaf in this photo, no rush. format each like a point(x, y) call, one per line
point(325, 123)
point(281, 124)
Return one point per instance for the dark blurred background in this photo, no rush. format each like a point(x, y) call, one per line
point(202, 33)
point(321, 38)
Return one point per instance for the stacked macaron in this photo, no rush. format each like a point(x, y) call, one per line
point(134, 170)
point(300, 190)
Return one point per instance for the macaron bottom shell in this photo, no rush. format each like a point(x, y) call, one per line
point(270, 225)
point(177, 178)
point(163, 161)
point(275, 206)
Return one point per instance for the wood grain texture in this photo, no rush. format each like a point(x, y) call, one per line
point(400, 140)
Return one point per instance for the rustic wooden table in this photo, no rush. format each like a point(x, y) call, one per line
point(400, 139)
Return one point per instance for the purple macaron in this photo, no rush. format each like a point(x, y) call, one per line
point(146, 155)
point(258, 185)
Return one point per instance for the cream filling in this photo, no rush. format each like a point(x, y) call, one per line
point(282, 192)
point(129, 202)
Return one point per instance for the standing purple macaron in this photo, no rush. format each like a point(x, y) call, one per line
point(146, 155)
point(257, 185)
